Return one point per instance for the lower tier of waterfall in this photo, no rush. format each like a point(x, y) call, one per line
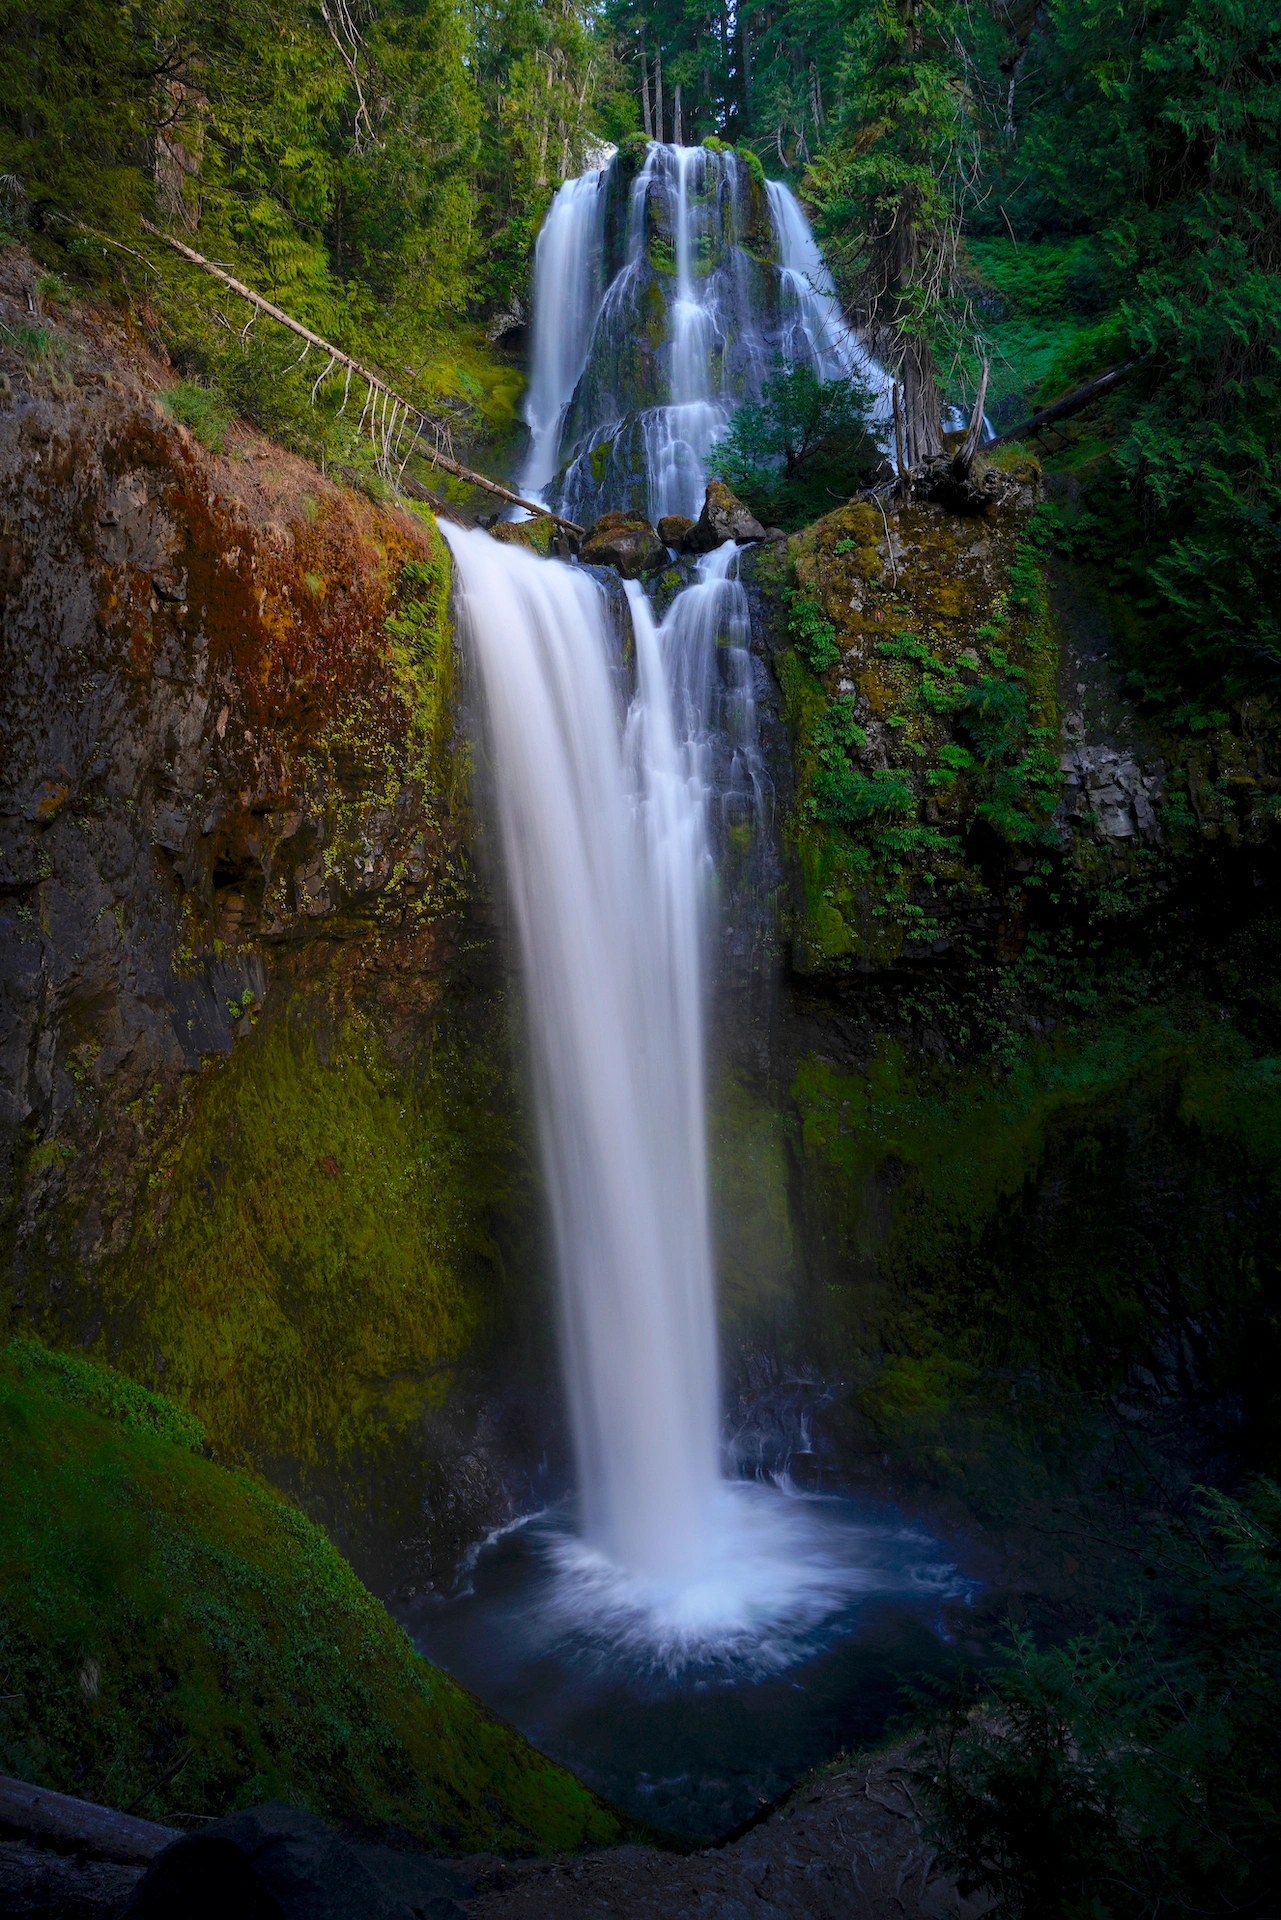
point(602, 806)
point(619, 749)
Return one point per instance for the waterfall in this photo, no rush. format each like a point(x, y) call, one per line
point(664, 297)
point(568, 262)
point(687, 327)
point(814, 323)
point(612, 810)
point(603, 825)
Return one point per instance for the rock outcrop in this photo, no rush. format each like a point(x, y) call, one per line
point(724, 517)
point(674, 530)
point(244, 1157)
point(626, 542)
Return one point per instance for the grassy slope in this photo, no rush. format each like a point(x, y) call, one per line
point(152, 1603)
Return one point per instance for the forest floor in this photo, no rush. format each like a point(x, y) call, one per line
point(848, 1843)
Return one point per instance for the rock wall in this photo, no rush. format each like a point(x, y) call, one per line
point(262, 1145)
point(1009, 1158)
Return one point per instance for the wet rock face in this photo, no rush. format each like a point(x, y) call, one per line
point(627, 542)
point(1107, 792)
point(174, 652)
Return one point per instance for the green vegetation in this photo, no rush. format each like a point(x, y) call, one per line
point(1133, 1771)
point(203, 409)
point(904, 784)
point(315, 1247)
point(380, 177)
point(1023, 1273)
point(804, 440)
point(156, 1608)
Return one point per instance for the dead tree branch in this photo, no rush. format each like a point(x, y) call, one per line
point(963, 459)
point(387, 404)
point(1070, 403)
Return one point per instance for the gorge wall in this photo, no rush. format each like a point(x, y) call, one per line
point(263, 1144)
point(996, 1115)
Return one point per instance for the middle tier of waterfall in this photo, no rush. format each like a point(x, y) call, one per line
point(668, 285)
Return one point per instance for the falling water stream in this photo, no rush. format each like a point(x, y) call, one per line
point(615, 740)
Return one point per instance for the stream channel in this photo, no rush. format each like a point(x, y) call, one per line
point(689, 1640)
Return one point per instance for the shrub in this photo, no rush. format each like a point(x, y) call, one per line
point(782, 453)
point(1136, 1770)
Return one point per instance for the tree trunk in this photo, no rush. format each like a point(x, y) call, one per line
point(677, 134)
point(900, 458)
point(922, 413)
point(644, 60)
point(745, 68)
point(963, 458)
point(658, 94)
point(1073, 402)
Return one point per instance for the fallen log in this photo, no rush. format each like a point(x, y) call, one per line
point(1060, 409)
point(79, 1825)
point(338, 358)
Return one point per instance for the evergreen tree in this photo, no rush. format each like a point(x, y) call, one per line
point(888, 194)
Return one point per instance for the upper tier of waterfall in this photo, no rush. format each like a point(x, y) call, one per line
point(666, 288)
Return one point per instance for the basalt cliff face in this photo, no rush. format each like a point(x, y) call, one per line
point(262, 1147)
point(998, 1160)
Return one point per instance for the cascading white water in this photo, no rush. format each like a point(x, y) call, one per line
point(816, 328)
point(568, 259)
point(738, 282)
point(677, 435)
point(606, 813)
point(605, 833)
point(603, 826)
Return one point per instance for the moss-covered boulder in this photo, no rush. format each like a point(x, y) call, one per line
point(536, 533)
point(625, 541)
point(156, 1608)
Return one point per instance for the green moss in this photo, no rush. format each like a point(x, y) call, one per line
point(662, 253)
point(155, 1605)
point(749, 1169)
point(536, 533)
point(314, 1248)
point(880, 838)
point(598, 459)
point(754, 166)
point(202, 409)
point(105, 1392)
point(993, 1224)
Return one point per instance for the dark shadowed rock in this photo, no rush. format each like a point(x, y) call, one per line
point(625, 541)
point(278, 1863)
point(674, 530)
point(35, 1885)
point(724, 517)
